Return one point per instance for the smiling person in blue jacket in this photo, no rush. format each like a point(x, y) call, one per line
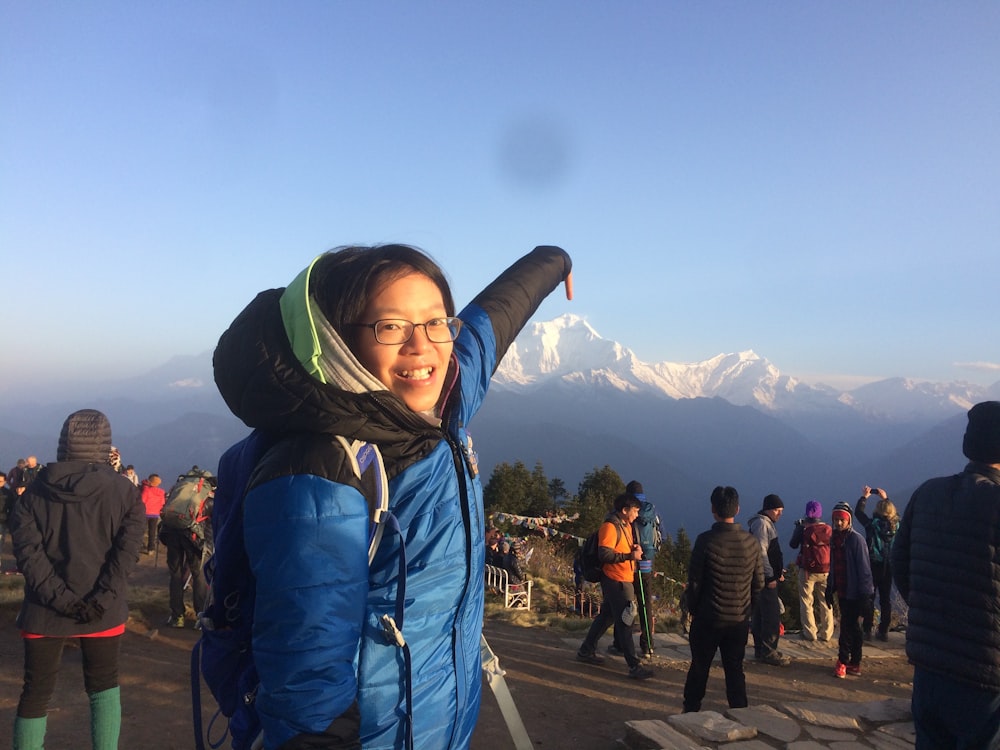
point(366, 344)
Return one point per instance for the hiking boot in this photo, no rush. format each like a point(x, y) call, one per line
point(647, 653)
point(615, 651)
point(884, 637)
point(853, 669)
point(175, 622)
point(591, 658)
point(639, 672)
point(840, 670)
point(776, 659)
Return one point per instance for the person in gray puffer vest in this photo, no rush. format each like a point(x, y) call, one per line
point(944, 563)
point(76, 531)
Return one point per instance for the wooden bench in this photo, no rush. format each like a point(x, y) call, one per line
point(514, 594)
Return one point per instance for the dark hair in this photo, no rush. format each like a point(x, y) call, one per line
point(343, 281)
point(626, 500)
point(3, 474)
point(725, 502)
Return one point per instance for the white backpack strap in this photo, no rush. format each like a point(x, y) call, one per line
point(364, 456)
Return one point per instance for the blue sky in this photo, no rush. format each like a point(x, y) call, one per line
point(818, 182)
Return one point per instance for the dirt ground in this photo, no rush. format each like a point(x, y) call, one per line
point(563, 703)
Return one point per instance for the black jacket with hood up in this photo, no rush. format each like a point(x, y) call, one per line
point(77, 532)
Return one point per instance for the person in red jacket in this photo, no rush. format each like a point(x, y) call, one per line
point(153, 497)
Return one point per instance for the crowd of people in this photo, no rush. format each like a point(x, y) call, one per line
point(366, 344)
point(941, 555)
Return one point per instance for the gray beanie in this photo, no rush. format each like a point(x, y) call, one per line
point(85, 436)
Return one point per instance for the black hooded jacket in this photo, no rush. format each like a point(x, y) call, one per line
point(77, 532)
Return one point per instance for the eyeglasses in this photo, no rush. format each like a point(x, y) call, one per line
point(393, 332)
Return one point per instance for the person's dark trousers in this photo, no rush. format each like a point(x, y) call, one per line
point(183, 557)
point(617, 595)
point(850, 641)
point(882, 577)
point(766, 623)
point(598, 627)
point(151, 523)
point(42, 658)
point(731, 641)
point(643, 599)
point(952, 715)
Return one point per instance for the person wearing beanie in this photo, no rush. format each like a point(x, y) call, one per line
point(850, 582)
point(811, 537)
point(76, 531)
point(880, 529)
point(766, 622)
point(944, 565)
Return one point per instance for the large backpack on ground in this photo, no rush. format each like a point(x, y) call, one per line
point(185, 507)
point(816, 547)
point(880, 540)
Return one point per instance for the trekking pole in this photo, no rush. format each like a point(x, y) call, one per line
point(645, 614)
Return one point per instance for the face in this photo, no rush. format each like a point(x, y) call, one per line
point(414, 371)
point(632, 514)
point(840, 523)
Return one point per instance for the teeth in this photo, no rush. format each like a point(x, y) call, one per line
point(421, 374)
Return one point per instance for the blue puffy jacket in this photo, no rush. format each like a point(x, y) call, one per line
point(329, 677)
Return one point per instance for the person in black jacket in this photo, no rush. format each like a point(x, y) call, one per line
point(77, 531)
point(725, 577)
point(944, 563)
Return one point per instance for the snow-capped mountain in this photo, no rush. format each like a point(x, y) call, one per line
point(569, 351)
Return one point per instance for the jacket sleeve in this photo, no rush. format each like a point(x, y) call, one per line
point(859, 512)
point(696, 570)
point(306, 539)
point(40, 575)
point(124, 552)
point(512, 298)
point(899, 555)
point(796, 535)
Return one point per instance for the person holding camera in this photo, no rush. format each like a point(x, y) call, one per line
point(812, 538)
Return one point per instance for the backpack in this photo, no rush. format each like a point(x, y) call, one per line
point(589, 561)
point(223, 656)
point(880, 543)
point(815, 557)
point(184, 508)
point(647, 526)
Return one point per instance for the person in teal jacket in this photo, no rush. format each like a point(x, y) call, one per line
point(366, 344)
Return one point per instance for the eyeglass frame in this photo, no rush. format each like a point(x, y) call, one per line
point(451, 323)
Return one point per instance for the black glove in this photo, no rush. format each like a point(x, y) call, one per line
point(76, 610)
point(88, 611)
point(829, 596)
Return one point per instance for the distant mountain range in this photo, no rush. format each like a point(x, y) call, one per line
point(573, 401)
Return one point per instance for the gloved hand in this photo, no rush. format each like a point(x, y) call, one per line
point(88, 611)
point(76, 609)
point(829, 596)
